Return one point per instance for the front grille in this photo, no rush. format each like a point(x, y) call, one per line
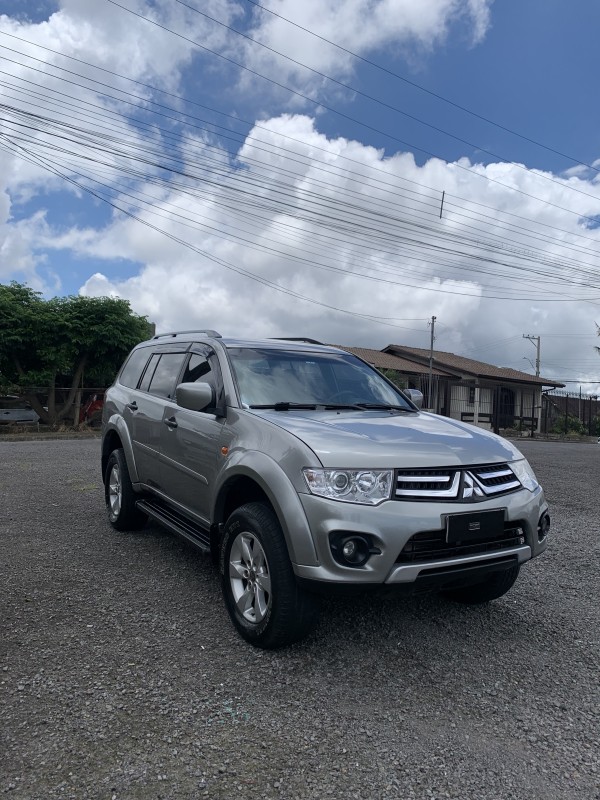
point(496, 478)
point(432, 545)
point(427, 482)
point(455, 485)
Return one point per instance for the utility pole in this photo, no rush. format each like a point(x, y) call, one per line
point(535, 339)
point(429, 393)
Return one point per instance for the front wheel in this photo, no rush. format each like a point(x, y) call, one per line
point(123, 513)
point(265, 602)
point(496, 585)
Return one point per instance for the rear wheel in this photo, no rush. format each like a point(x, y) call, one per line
point(495, 585)
point(265, 602)
point(119, 495)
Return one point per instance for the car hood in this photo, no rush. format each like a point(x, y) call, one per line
point(359, 439)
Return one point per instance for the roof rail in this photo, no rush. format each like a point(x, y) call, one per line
point(212, 334)
point(295, 339)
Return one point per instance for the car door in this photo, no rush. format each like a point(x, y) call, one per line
point(191, 440)
point(156, 388)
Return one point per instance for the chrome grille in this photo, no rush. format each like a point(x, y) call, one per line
point(452, 484)
point(427, 483)
point(496, 478)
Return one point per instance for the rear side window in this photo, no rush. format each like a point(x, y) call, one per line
point(147, 377)
point(165, 375)
point(130, 374)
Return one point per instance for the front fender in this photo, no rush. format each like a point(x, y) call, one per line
point(282, 495)
point(115, 426)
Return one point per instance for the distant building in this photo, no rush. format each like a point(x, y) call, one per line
point(492, 397)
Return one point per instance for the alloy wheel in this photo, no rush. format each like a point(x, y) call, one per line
point(115, 492)
point(249, 577)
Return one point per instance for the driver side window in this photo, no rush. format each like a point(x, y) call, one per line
point(199, 370)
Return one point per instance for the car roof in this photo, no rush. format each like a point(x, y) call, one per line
point(297, 344)
point(281, 344)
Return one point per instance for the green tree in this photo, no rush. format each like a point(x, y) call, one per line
point(395, 377)
point(43, 342)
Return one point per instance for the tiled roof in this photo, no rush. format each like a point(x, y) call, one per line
point(455, 363)
point(389, 361)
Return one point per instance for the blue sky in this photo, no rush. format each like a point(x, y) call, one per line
point(293, 219)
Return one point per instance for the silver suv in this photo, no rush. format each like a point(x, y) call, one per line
point(302, 469)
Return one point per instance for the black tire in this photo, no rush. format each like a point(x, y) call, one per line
point(119, 495)
point(495, 585)
point(263, 598)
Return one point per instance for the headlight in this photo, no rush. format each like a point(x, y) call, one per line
point(366, 486)
point(525, 474)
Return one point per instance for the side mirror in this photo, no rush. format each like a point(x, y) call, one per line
point(416, 396)
point(194, 396)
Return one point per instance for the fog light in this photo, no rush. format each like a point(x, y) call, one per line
point(352, 549)
point(349, 549)
point(543, 526)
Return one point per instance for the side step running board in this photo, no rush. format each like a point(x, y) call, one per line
point(175, 522)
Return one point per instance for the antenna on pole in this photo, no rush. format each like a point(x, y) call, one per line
point(429, 392)
point(536, 341)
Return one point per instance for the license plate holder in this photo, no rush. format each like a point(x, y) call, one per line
point(474, 526)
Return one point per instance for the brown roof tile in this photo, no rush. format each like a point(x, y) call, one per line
point(389, 361)
point(452, 362)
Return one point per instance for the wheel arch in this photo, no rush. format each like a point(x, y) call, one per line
point(260, 479)
point(117, 436)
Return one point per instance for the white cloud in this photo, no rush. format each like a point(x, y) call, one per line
point(120, 40)
point(92, 33)
point(337, 202)
point(359, 26)
point(181, 289)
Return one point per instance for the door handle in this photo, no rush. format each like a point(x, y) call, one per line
point(171, 422)
point(132, 406)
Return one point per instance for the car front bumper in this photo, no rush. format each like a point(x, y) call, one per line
point(391, 525)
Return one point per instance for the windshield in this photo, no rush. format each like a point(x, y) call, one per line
point(269, 377)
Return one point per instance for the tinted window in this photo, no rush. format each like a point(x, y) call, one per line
point(197, 370)
point(147, 377)
point(134, 367)
point(166, 374)
point(200, 370)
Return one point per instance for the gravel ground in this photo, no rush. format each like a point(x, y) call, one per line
point(121, 676)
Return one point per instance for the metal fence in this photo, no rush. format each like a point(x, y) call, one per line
point(85, 409)
point(570, 412)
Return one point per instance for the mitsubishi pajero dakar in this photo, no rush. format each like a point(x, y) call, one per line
point(303, 469)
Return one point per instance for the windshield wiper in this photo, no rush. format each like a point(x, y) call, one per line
point(285, 406)
point(382, 407)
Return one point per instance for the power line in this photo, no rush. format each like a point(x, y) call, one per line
point(420, 243)
point(320, 104)
point(104, 140)
point(220, 261)
point(261, 127)
point(421, 88)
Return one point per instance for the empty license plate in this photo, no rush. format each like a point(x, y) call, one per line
point(482, 525)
